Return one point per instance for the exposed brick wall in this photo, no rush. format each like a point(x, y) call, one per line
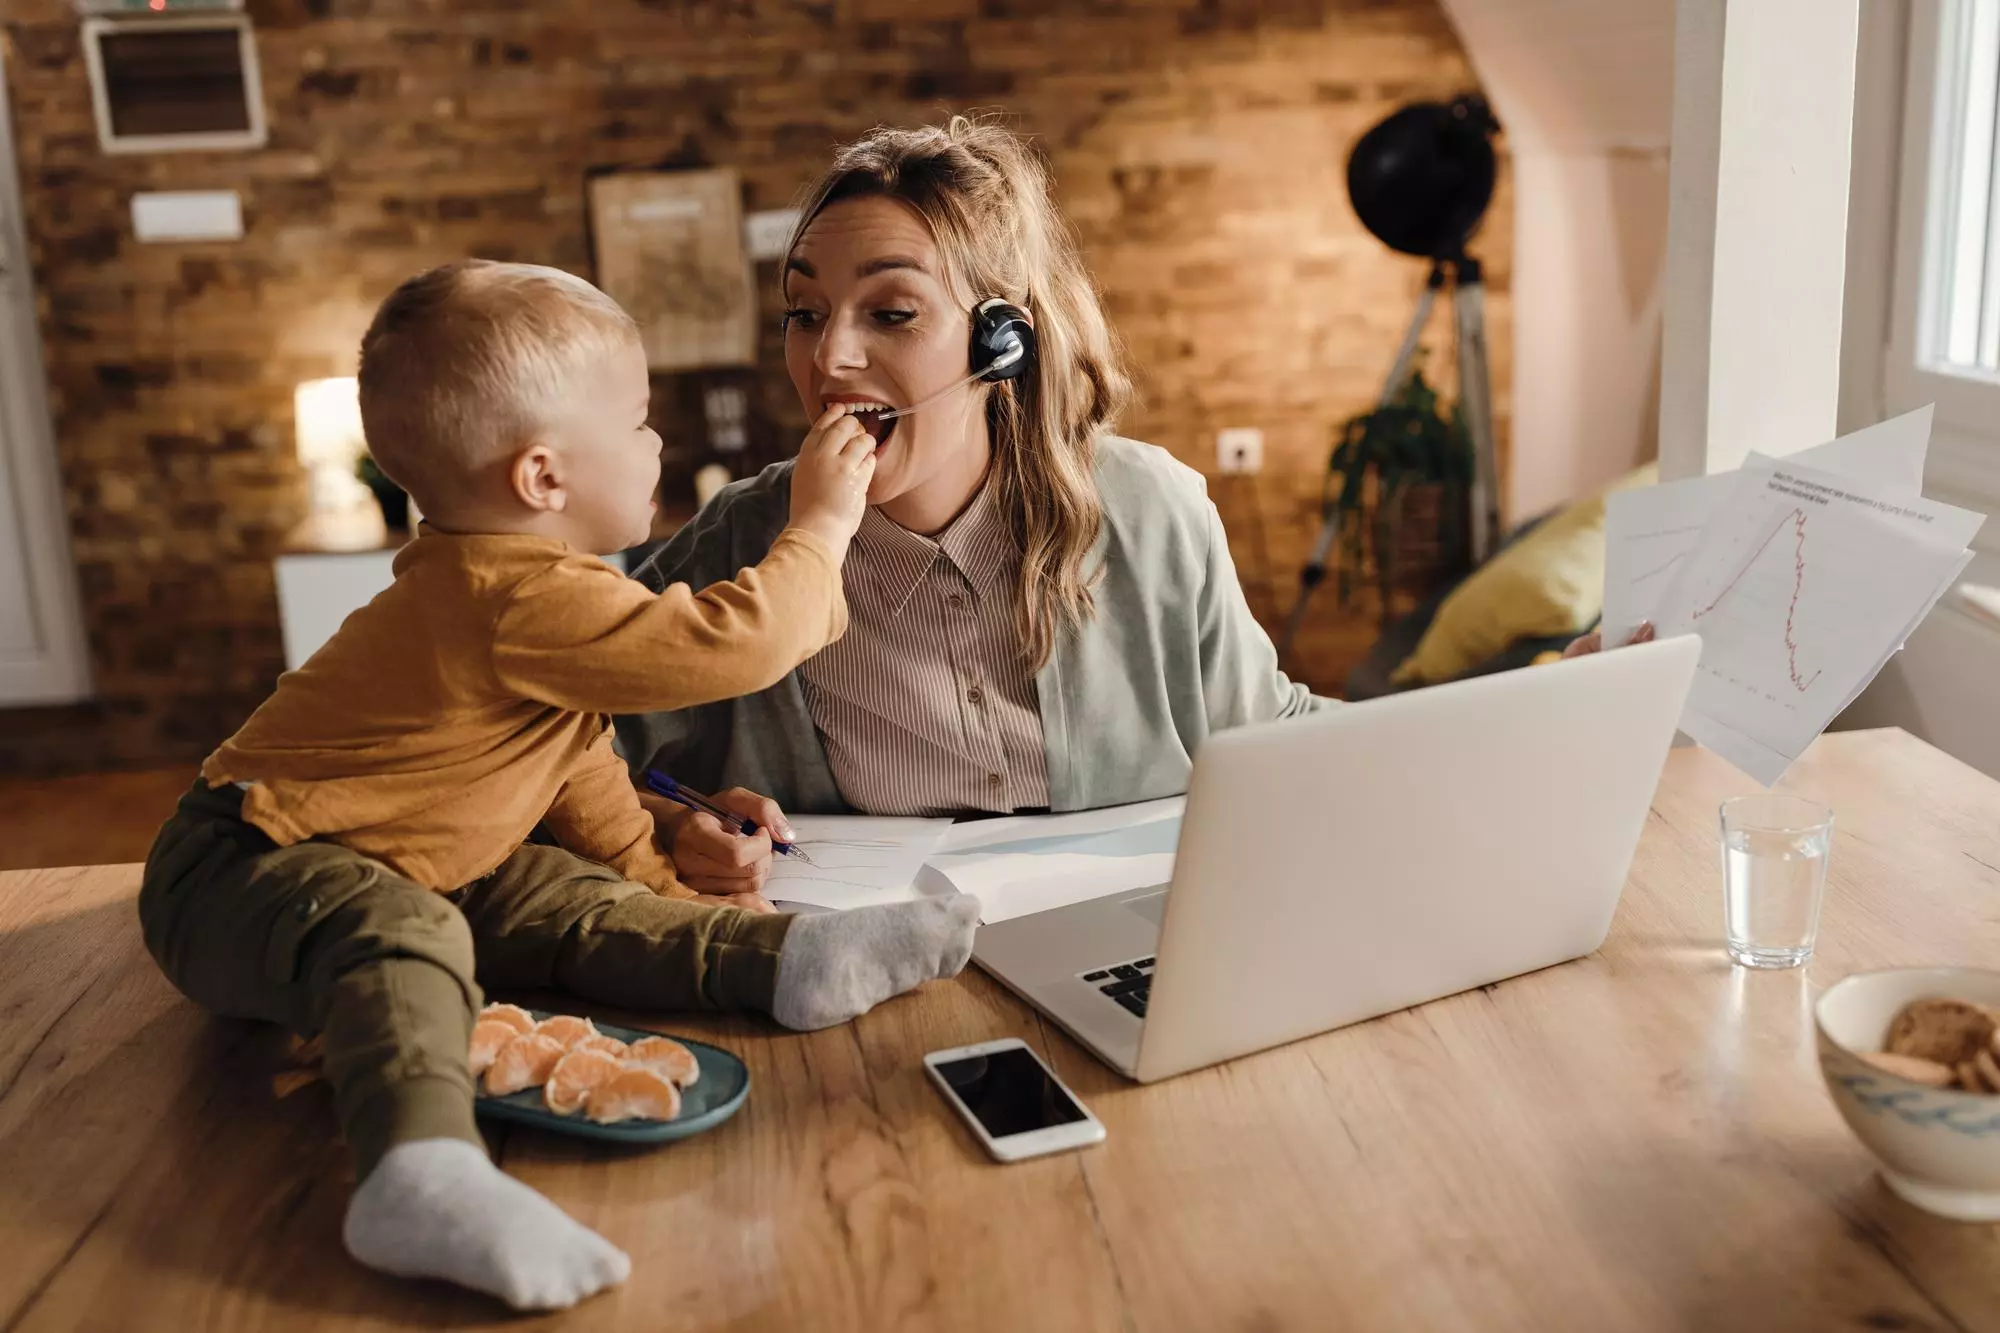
point(1198, 144)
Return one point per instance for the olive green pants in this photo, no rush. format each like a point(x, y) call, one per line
point(388, 973)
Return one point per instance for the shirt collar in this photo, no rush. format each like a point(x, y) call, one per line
point(976, 543)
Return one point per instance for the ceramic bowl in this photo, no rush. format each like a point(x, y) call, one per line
point(1939, 1149)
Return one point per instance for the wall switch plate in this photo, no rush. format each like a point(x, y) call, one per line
point(1239, 449)
point(188, 215)
point(765, 234)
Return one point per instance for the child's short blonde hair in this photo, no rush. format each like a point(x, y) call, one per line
point(464, 364)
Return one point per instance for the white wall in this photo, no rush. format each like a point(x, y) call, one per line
point(1584, 91)
point(1587, 271)
point(1756, 229)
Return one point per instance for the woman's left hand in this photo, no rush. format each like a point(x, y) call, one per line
point(1593, 641)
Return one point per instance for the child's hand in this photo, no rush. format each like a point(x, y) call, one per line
point(830, 482)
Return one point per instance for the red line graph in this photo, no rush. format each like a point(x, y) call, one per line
point(1797, 518)
point(1658, 570)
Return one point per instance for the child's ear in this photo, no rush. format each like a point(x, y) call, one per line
point(537, 480)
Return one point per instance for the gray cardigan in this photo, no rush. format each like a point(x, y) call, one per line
point(1171, 654)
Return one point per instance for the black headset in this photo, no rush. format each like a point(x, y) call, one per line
point(1003, 341)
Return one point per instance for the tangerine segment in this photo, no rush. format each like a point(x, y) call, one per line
point(634, 1093)
point(571, 1081)
point(600, 1042)
point(524, 1062)
point(489, 1037)
point(566, 1028)
point(666, 1056)
point(513, 1015)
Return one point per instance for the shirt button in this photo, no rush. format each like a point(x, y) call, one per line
point(955, 601)
point(995, 780)
point(974, 695)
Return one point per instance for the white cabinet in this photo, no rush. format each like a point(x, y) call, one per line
point(319, 589)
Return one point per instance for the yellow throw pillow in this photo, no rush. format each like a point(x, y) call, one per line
point(1550, 582)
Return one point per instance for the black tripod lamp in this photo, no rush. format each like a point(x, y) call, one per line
point(1420, 181)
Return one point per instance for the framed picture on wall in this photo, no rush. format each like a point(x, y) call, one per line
point(670, 250)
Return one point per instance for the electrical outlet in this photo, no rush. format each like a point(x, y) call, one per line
point(1239, 449)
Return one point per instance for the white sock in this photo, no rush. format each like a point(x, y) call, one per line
point(439, 1208)
point(842, 964)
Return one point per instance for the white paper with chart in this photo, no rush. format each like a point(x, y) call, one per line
point(1647, 533)
point(1801, 584)
point(855, 860)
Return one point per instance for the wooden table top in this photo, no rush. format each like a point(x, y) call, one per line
point(1635, 1140)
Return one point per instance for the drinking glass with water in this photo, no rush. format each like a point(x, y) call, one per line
point(1774, 854)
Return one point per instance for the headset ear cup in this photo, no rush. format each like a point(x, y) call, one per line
point(1003, 341)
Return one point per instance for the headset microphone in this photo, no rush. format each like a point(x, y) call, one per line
point(1003, 347)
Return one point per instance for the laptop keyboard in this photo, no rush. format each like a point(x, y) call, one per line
point(1129, 984)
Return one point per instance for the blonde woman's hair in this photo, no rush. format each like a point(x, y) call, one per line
point(985, 196)
point(466, 363)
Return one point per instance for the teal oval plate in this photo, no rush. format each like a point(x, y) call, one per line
point(714, 1097)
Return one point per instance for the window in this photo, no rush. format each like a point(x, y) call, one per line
point(43, 658)
point(166, 85)
point(1965, 308)
point(1943, 342)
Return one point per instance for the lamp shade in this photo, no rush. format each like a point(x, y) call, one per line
point(1422, 178)
point(328, 422)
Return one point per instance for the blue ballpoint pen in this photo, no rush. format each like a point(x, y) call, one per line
point(662, 785)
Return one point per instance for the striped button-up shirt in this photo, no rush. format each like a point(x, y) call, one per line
point(927, 705)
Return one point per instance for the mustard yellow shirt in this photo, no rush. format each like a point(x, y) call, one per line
point(471, 701)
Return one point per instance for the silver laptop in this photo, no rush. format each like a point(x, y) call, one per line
point(1336, 867)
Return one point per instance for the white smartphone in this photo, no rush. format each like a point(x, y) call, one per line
point(1011, 1100)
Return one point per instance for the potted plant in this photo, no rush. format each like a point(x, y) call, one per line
point(395, 501)
point(1399, 483)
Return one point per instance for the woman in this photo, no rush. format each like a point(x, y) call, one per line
point(1041, 615)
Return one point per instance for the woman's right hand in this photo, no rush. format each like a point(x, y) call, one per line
point(1594, 641)
point(713, 861)
point(830, 481)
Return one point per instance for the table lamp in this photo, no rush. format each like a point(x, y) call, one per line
point(328, 427)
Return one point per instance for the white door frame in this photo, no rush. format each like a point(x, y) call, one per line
point(55, 668)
